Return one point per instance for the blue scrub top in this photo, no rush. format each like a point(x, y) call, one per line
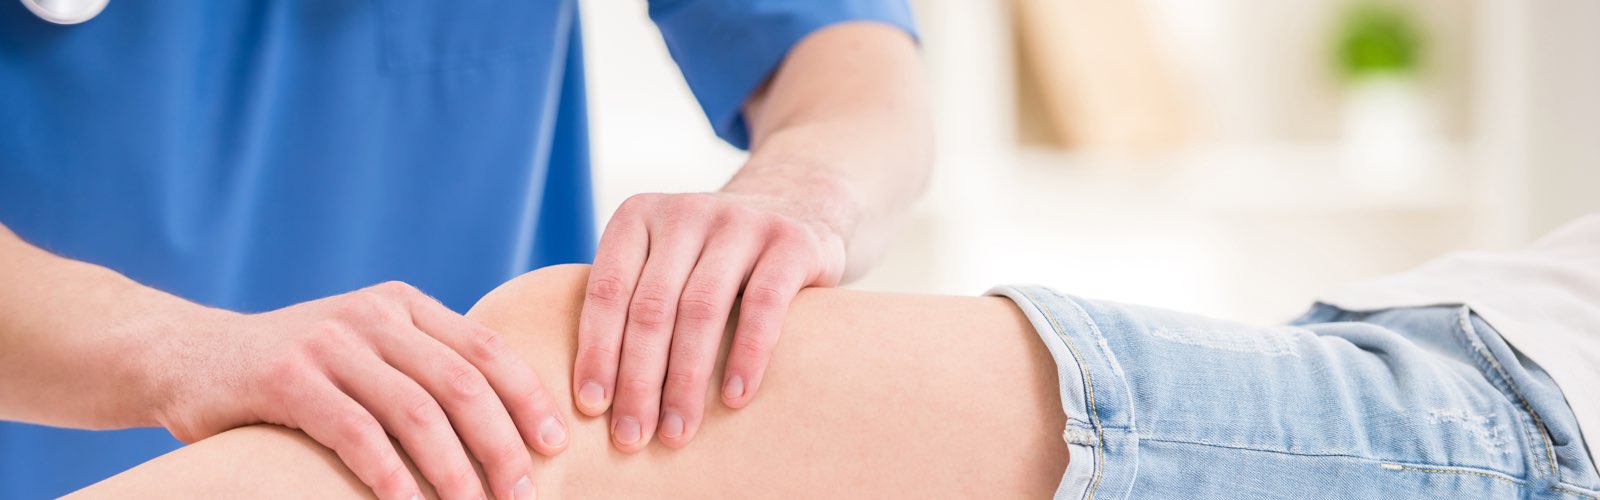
point(256, 154)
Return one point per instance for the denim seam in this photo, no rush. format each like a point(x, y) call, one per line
point(1250, 448)
point(1470, 335)
point(1480, 470)
point(1432, 470)
point(1573, 492)
point(1238, 446)
point(1088, 378)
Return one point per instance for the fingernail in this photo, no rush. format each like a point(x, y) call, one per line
point(591, 395)
point(626, 430)
point(552, 432)
point(734, 389)
point(672, 425)
point(523, 490)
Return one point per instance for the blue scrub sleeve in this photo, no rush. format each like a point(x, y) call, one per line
point(726, 48)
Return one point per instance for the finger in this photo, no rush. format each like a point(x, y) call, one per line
point(648, 336)
point(518, 388)
point(617, 263)
point(779, 274)
point(475, 412)
point(703, 309)
point(413, 417)
point(330, 417)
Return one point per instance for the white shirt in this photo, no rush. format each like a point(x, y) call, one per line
point(1544, 300)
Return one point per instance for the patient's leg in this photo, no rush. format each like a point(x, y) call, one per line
point(868, 395)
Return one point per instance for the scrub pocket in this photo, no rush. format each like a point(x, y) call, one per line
point(428, 35)
point(1401, 403)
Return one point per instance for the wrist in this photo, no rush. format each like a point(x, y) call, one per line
point(164, 344)
point(820, 196)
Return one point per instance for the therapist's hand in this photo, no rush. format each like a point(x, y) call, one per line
point(354, 369)
point(840, 146)
point(669, 270)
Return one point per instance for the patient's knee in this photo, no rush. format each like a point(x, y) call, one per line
point(547, 294)
point(537, 312)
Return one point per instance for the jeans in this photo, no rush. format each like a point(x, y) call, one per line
point(1400, 403)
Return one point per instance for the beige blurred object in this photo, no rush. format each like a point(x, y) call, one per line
point(1100, 77)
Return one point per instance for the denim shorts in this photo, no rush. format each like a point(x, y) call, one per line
point(1422, 402)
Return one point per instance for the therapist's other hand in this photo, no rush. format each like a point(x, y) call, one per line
point(352, 370)
point(669, 270)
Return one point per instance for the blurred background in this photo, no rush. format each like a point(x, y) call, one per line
point(1227, 157)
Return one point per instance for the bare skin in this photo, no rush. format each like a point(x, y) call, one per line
point(873, 395)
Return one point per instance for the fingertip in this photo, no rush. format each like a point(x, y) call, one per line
point(675, 429)
point(740, 390)
point(628, 434)
point(733, 393)
point(591, 398)
point(523, 490)
point(550, 438)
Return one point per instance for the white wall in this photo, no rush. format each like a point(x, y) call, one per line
point(649, 134)
point(1539, 114)
point(1563, 112)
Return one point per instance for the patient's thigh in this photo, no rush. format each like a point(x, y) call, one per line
point(868, 395)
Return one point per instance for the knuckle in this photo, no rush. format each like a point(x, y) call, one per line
point(328, 328)
point(787, 231)
point(625, 220)
point(763, 297)
point(748, 347)
point(649, 310)
point(364, 306)
point(607, 291)
point(634, 202)
point(637, 387)
point(464, 481)
point(696, 203)
point(356, 430)
point(685, 382)
point(395, 288)
point(487, 345)
point(466, 382)
point(771, 221)
point(282, 373)
point(508, 452)
point(393, 479)
point(329, 341)
point(699, 304)
point(597, 354)
point(687, 210)
point(731, 212)
point(421, 411)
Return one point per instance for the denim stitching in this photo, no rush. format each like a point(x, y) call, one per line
point(1231, 446)
point(1449, 471)
point(1465, 319)
point(1486, 472)
point(1088, 378)
point(1570, 491)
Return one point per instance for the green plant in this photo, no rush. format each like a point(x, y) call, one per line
point(1377, 38)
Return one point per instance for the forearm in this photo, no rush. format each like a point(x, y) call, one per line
point(74, 340)
point(844, 128)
